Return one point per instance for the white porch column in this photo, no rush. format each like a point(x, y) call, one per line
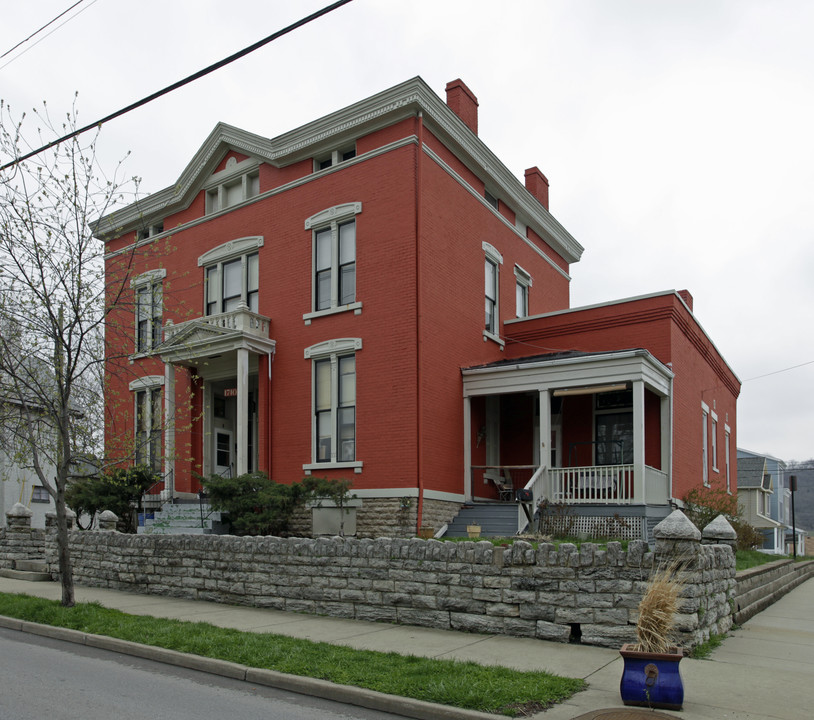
point(545, 441)
point(169, 431)
point(666, 408)
point(242, 411)
point(467, 448)
point(639, 490)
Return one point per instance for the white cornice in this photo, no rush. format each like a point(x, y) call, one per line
point(384, 108)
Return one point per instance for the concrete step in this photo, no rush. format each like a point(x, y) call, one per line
point(31, 565)
point(27, 575)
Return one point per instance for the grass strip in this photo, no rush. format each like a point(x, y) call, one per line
point(487, 688)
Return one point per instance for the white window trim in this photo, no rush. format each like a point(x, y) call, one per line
point(330, 217)
point(728, 457)
point(150, 277)
point(146, 384)
point(713, 447)
point(330, 349)
point(705, 444)
point(232, 250)
point(523, 279)
point(494, 255)
point(146, 381)
point(234, 170)
point(335, 157)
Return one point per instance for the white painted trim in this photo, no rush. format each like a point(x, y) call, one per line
point(337, 213)
point(494, 338)
point(231, 249)
point(492, 252)
point(536, 248)
point(147, 381)
point(148, 277)
point(356, 307)
point(376, 152)
point(523, 276)
point(231, 171)
point(356, 466)
point(705, 407)
point(336, 346)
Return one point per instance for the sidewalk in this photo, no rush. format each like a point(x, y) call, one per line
point(763, 671)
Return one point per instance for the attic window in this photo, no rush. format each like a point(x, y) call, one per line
point(491, 199)
point(323, 162)
point(232, 192)
point(149, 232)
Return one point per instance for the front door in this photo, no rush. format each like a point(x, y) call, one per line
point(224, 452)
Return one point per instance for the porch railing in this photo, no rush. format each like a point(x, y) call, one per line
point(504, 480)
point(242, 319)
point(599, 484)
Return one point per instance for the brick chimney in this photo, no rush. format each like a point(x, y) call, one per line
point(537, 185)
point(462, 101)
point(686, 297)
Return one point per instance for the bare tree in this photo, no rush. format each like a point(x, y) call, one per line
point(53, 300)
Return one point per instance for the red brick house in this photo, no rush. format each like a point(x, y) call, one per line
point(374, 295)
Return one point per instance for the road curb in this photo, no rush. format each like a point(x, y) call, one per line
point(407, 707)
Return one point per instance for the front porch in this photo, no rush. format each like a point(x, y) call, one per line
point(590, 433)
point(229, 357)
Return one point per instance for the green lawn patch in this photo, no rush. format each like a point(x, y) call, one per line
point(486, 688)
point(745, 559)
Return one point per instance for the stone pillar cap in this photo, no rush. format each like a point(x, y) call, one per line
point(19, 510)
point(108, 515)
point(719, 529)
point(676, 526)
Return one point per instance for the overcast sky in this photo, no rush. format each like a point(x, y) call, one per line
point(678, 136)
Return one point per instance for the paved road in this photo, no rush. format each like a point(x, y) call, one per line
point(44, 678)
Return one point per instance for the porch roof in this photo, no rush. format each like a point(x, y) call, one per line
point(553, 356)
point(566, 369)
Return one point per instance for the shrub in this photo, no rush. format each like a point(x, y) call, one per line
point(119, 491)
point(256, 505)
point(703, 505)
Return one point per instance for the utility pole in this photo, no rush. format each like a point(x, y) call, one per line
point(793, 488)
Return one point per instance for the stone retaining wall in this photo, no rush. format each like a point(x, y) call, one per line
point(759, 587)
point(590, 594)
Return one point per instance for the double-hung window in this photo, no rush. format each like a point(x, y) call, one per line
point(714, 442)
point(727, 458)
point(334, 404)
point(232, 276)
point(334, 260)
point(149, 412)
point(149, 303)
point(521, 292)
point(705, 444)
point(493, 261)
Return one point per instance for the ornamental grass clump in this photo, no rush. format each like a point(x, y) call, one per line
point(657, 612)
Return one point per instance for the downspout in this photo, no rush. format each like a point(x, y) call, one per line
point(269, 360)
point(419, 455)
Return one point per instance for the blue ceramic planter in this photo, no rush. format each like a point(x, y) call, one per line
point(651, 679)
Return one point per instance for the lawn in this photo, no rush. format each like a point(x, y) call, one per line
point(486, 688)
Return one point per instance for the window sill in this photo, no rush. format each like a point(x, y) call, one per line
point(139, 355)
point(494, 338)
point(356, 466)
point(356, 307)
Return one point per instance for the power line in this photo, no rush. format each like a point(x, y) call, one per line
point(34, 34)
point(793, 367)
point(181, 83)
